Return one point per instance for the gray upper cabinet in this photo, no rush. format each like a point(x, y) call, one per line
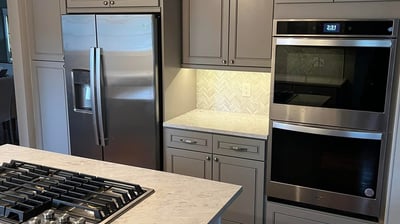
point(110, 3)
point(227, 32)
point(205, 31)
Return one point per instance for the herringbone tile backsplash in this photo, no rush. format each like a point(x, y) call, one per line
point(239, 92)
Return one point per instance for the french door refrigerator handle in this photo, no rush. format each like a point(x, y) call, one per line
point(99, 97)
point(92, 68)
point(327, 132)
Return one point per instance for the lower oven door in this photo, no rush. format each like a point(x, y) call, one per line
point(330, 168)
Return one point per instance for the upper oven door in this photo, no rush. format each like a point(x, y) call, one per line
point(320, 80)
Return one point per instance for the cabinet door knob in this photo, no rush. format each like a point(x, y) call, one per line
point(112, 2)
point(105, 2)
point(224, 62)
point(232, 62)
point(208, 158)
point(216, 159)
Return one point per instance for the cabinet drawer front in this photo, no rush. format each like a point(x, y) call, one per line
point(239, 147)
point(196, 141)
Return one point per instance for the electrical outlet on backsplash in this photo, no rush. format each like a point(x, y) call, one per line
point(233, 91)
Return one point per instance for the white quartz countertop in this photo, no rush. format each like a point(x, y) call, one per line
point(177, 199)
point(237, 124)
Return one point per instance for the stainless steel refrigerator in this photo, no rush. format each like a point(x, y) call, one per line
point(111, 65)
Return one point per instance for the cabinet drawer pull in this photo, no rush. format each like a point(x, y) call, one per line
point(188, 141)
point(112, 3)
point(239, 149)
point(105, 2)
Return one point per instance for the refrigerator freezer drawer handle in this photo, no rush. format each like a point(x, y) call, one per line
point(92, 67)
point(99, 97)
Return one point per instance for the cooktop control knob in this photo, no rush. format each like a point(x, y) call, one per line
point(63, 219)
point(48, 215)
point(81, 220)
point(34, 220)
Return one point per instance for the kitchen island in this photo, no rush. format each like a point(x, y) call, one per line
point(177, 198)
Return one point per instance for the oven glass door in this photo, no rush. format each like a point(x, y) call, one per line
point(326, 159)
point(332, 73)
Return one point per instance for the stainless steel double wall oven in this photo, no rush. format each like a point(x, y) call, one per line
point(332, 85)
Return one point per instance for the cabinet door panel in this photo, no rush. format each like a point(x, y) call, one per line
point(44, 18)
point(250, 33)
point(205, 31)
point(51, 106)
point(86, 3)
point(106, 3)
point(248, 207)
point(195, 164)
point(277, 213)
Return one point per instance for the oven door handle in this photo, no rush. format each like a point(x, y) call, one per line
point(327, 132)
point(332, 42)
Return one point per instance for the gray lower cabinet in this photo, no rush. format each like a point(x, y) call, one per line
point(221, 158)
point(277, 213)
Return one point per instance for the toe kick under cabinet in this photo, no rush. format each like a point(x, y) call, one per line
point(222, 158)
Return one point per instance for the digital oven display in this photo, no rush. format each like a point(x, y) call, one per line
point(331, 28)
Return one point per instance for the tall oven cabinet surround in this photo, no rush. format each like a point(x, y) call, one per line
point(112, 85)
point(331, 97)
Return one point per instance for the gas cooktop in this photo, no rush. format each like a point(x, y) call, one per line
point(31, 193)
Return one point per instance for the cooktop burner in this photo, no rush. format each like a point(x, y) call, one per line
point(31, 193)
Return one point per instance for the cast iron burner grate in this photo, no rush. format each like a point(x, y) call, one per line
point(31, 193)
